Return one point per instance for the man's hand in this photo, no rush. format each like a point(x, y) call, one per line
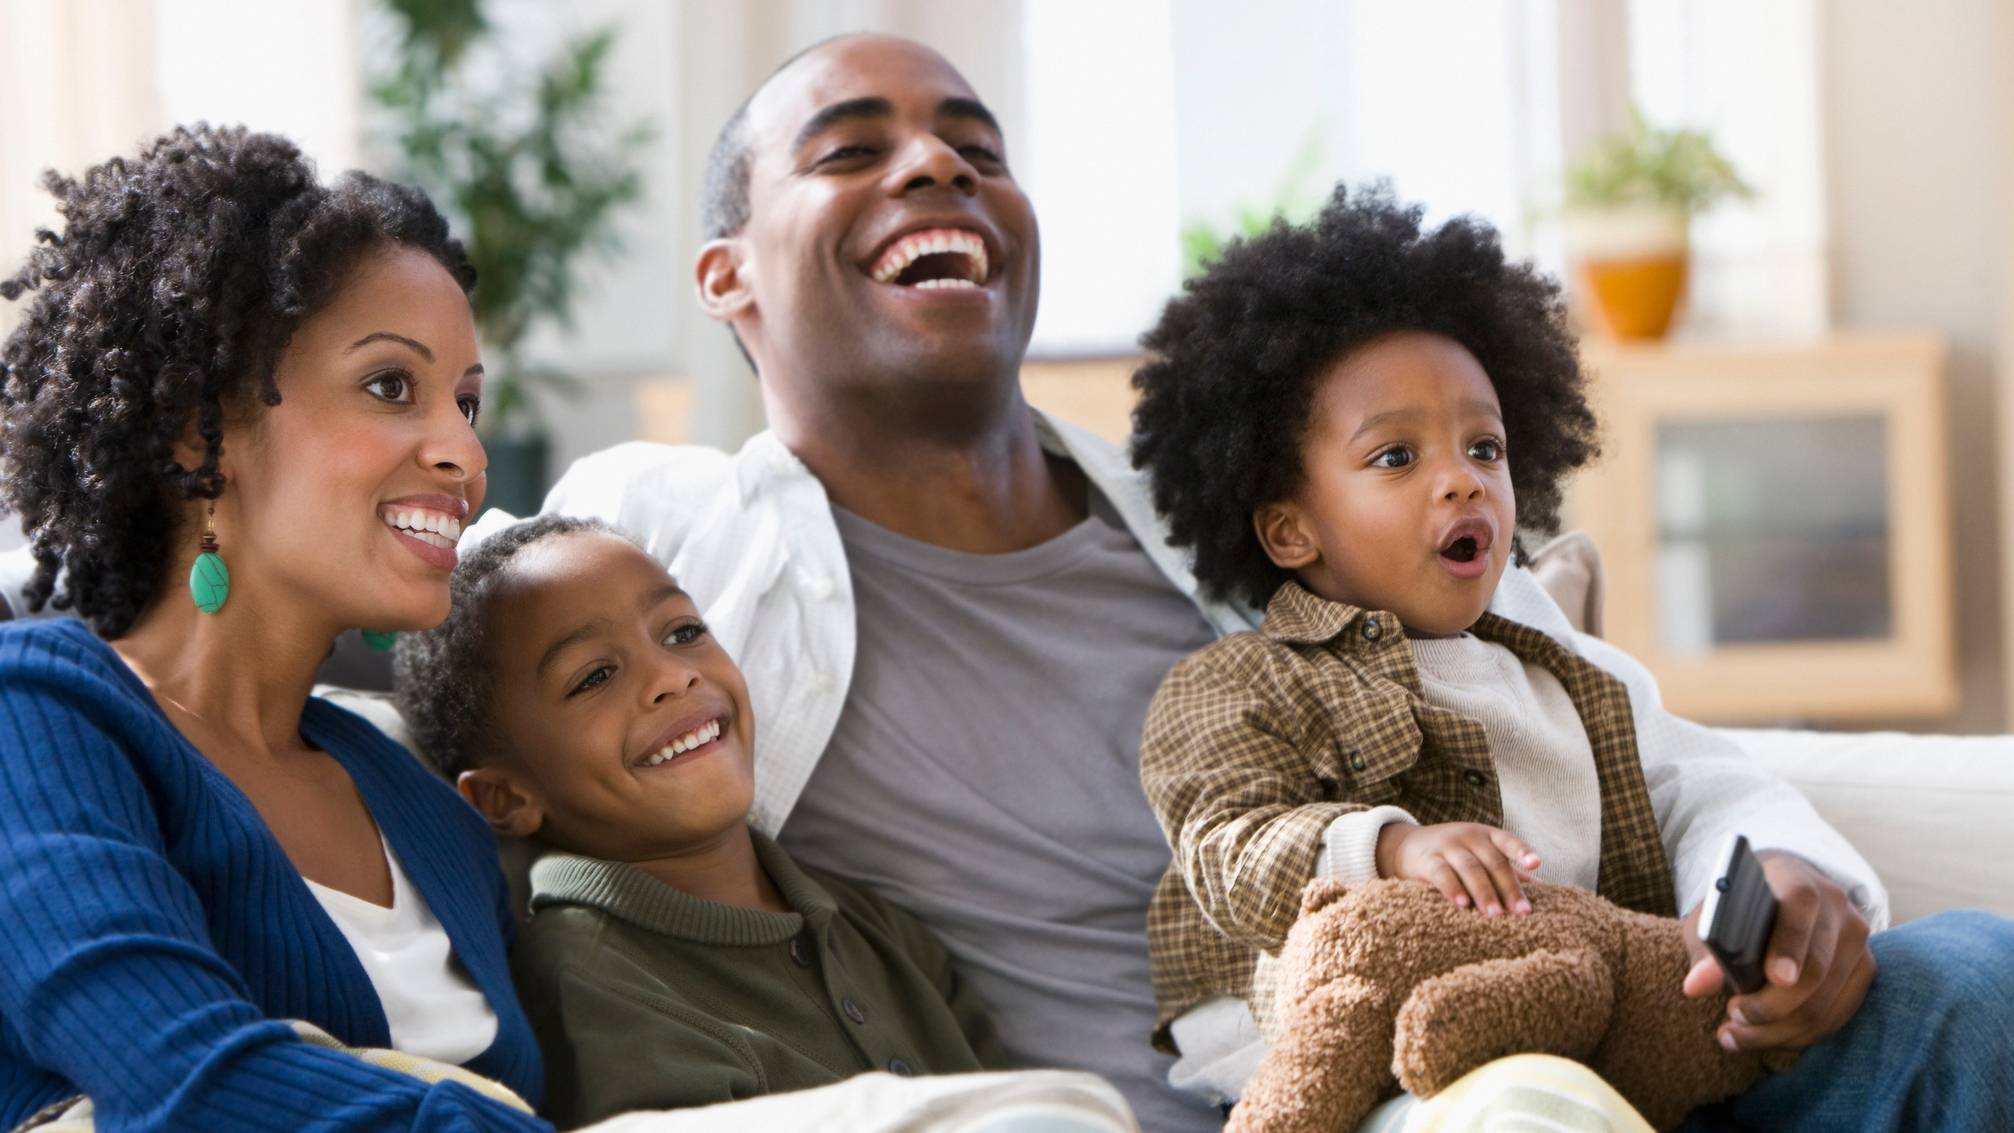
point(1817, 966)
point(1473, 864)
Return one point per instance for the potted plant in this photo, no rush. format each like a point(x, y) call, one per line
point(532, 181)
point(1630, 199)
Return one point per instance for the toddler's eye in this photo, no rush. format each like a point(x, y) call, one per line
point(594, 679)
point(1397, 457)
point(1491, 450)
point(685, 633)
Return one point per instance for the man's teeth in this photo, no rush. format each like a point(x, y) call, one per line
point(430, 527)
point(705, 734)
point(936, 241)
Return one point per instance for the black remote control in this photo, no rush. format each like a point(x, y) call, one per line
point(1738, 916)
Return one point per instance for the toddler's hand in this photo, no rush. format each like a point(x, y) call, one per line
point(1473, 864)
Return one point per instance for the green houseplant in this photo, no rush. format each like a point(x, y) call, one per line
point(531, 178)
point(1629, 203)
point(1297, 197)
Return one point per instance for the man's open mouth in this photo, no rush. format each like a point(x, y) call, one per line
point(932, 258)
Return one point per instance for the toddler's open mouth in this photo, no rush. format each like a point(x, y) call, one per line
point(1464, 548)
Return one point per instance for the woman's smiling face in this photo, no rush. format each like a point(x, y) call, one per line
point(343, 502)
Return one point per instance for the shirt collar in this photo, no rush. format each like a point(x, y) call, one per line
point(624, 891)
point(1297, 615)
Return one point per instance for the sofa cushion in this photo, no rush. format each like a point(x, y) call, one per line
point(1569, 568)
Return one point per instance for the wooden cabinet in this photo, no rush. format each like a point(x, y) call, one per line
point(1774, 522)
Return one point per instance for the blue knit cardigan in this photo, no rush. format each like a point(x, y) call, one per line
point(153, 934)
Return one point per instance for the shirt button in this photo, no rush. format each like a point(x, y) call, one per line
point(800, 953)
point(1371, 631)
point(1475, 778)
point(900, 1068)
point(853, 1011)
point(1356, 761)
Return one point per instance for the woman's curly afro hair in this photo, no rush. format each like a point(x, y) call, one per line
point(163, 304)
point(1233, 366)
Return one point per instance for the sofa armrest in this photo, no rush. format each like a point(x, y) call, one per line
point(1930, 813)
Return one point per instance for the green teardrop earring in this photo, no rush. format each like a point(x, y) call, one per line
point(210, 579)
point(380, 640)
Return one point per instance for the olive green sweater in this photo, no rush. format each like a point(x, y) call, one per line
point(646, 998)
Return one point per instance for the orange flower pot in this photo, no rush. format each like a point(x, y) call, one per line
point(1634, 297)
point(1630, 267)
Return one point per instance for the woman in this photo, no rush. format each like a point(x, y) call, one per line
point(238, 419)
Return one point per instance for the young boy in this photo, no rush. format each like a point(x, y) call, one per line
point(674, 956)
point(1348, 422)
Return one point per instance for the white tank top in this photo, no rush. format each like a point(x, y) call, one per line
point(433, 1008)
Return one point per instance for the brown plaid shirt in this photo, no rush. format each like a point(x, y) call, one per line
point(1256, 743)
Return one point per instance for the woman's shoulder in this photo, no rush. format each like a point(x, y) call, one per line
point(60, 659)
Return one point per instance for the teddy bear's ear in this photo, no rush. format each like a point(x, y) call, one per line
point(1321, 893)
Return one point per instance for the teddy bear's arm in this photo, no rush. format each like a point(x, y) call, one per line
point(1546, 1002)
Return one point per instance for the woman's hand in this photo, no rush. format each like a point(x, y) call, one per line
point(1818, 965)
point(1474, 865)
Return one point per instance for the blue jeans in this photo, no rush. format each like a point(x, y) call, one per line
point(1931, 1048)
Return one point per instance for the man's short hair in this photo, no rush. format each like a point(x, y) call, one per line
point(723, 198)
point(723, 194)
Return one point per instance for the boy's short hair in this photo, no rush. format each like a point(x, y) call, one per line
point(1227, 394)
point(445, 678)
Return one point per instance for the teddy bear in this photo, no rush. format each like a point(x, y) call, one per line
point(1390, 980)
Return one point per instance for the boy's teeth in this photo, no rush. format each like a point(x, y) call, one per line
point(686, 743)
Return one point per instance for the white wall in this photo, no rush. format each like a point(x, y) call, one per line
point(1917, 130)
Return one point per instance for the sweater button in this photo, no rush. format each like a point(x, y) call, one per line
point(900, 1068)
point(1356, 760)
point(853, 1011)
point(1475, 778)
point(1371, 631)
point(800, 953)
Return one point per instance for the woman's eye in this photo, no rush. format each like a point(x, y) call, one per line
point(1393, 458)
point(1487, 450)
point(394, 385)
point(593, 680)
point(471, 408)
point(685, 634)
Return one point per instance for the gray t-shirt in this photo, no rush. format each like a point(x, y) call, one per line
point(985, 775)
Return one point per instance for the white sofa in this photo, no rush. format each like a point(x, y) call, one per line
point(1934, 815)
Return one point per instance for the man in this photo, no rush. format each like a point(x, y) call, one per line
point(952, 621)
point(952, 612)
